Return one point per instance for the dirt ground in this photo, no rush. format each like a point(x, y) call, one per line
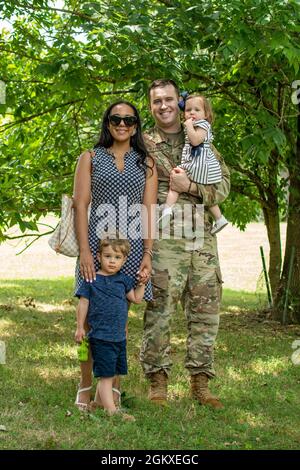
point(239, 257)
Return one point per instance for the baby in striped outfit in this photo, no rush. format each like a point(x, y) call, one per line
point(198, 159)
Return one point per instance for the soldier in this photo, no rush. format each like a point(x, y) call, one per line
point(192, 276)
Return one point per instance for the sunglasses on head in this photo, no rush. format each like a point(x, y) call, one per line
point(129, 121)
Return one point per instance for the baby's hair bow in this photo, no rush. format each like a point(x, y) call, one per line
point(181, 103)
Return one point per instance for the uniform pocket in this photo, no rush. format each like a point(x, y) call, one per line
point(220, 281)
point(160, 279)
point(219, 275)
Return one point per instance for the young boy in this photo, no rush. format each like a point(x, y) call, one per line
point(105, 302)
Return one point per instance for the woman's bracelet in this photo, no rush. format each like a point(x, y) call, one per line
point(149, 251)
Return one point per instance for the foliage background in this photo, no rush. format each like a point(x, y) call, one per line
point(63, 66)
point(63, 62)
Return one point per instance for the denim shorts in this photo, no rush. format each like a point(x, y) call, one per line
point(109, 358)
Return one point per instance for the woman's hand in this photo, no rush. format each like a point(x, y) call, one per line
point(145, 269)
point(87, 266)
point(79, 335)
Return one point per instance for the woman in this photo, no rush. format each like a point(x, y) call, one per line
point(115, 177)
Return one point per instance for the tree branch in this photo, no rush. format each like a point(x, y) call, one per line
point(252, 177)
point(242, 189)
point(222, 87)
point(33, 116)
point(62, 10)
point(4, 127)
point(118, 92)
point(101, 79)
point(38, 235)
point(7, 80)
point(168, 3)
point(234, 98)
point(21, 54)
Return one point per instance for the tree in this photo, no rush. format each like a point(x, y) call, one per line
point(287, 301)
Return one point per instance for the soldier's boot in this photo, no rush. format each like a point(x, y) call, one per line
point(201, 392)
point(158, 388)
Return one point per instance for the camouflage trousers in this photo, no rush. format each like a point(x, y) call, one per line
point(193, 277)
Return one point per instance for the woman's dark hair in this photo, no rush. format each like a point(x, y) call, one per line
point(136, 140)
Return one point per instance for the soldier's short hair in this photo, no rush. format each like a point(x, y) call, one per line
point(161, 83)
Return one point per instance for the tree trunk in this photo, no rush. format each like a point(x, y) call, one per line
point(272, 221)
point(292, 240)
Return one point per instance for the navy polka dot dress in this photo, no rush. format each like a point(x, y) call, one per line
point(116, 199)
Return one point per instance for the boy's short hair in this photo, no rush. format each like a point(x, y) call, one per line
point(117, 244)
point(206, 104)
point(161, 83)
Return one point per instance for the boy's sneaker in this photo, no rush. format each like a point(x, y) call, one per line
point(219, 225)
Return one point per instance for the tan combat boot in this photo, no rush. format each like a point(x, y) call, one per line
point(200, 391)
point(158, 387)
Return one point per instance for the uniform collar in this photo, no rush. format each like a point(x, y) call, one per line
point(158, 136)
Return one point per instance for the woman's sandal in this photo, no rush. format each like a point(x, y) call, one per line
point(118, 400)
point(82, 406)
point(94, 404)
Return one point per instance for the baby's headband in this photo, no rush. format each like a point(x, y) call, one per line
point(184, 95)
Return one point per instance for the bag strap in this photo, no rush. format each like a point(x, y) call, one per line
point(68, 223)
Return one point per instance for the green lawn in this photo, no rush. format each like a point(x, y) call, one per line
point(257, 380)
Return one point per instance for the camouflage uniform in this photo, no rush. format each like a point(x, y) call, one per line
point(193, 277)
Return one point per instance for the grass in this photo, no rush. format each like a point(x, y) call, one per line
point(256, 380)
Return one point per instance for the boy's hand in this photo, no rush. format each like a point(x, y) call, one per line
point(79, 335)
point(144, 272)
point(142, 279)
